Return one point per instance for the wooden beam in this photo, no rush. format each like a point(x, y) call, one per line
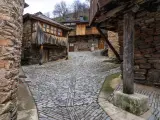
point(106, 24)
point(128, 54)
point(111, 13)
point(105, 36)
point(102, 3)
point(94, 10)
point(41, 55)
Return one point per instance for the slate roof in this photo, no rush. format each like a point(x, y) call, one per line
point(25, 5)
point(75, 21)
point(39, 16)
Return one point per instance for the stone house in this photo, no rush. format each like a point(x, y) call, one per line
point(145, 18)
point(43, 39)
point(83, 37)
point(11, 26)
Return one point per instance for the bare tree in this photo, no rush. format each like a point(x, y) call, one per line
point(84, 7)
point(77, 7)
point(88, 2)
point(61, 9)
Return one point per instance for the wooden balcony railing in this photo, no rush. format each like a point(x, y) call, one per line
point(87, 32)
point(92, 32)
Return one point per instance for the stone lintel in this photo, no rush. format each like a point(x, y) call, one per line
point(133, 103)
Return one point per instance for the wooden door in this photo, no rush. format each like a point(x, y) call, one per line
point(101, 44)
point(71, 47)
point(45, 55)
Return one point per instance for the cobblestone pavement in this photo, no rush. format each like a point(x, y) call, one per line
point(154, 98)
point(68, 89)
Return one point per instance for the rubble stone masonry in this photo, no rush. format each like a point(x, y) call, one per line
point(10, 50)
point(147, 47)
point(113, 38)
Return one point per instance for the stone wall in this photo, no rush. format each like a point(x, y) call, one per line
point(32, 55)
point(10, 52)
point(147, 47)
point(113, 38)
point(26, 41)
point(55, 54)
point(27, 33)
point(85, 43)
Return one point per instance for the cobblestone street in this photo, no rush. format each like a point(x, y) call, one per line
point(68, 89)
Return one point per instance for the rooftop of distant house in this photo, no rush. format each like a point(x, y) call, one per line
point(25, 5)
point(41, 17)
point(80, 20)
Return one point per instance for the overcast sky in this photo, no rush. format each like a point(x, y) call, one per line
point(43, 5)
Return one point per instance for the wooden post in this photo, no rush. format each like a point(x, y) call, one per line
point(41, 55)
point(67, 47)
point(128, 54)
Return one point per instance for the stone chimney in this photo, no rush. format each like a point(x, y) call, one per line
point(38, 13)
point(81, 18)
point(67, 18)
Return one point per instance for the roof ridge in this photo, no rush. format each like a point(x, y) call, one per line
point(40, 15)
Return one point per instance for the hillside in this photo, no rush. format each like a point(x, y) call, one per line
point(73, 16)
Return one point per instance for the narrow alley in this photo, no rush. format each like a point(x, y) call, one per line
point(80, 60)
point(68, 89)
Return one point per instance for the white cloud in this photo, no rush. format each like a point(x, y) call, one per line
point(43, 5)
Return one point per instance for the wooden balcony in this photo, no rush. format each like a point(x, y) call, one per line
point(92, 31)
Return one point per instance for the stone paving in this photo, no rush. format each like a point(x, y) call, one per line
point(68, 89)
